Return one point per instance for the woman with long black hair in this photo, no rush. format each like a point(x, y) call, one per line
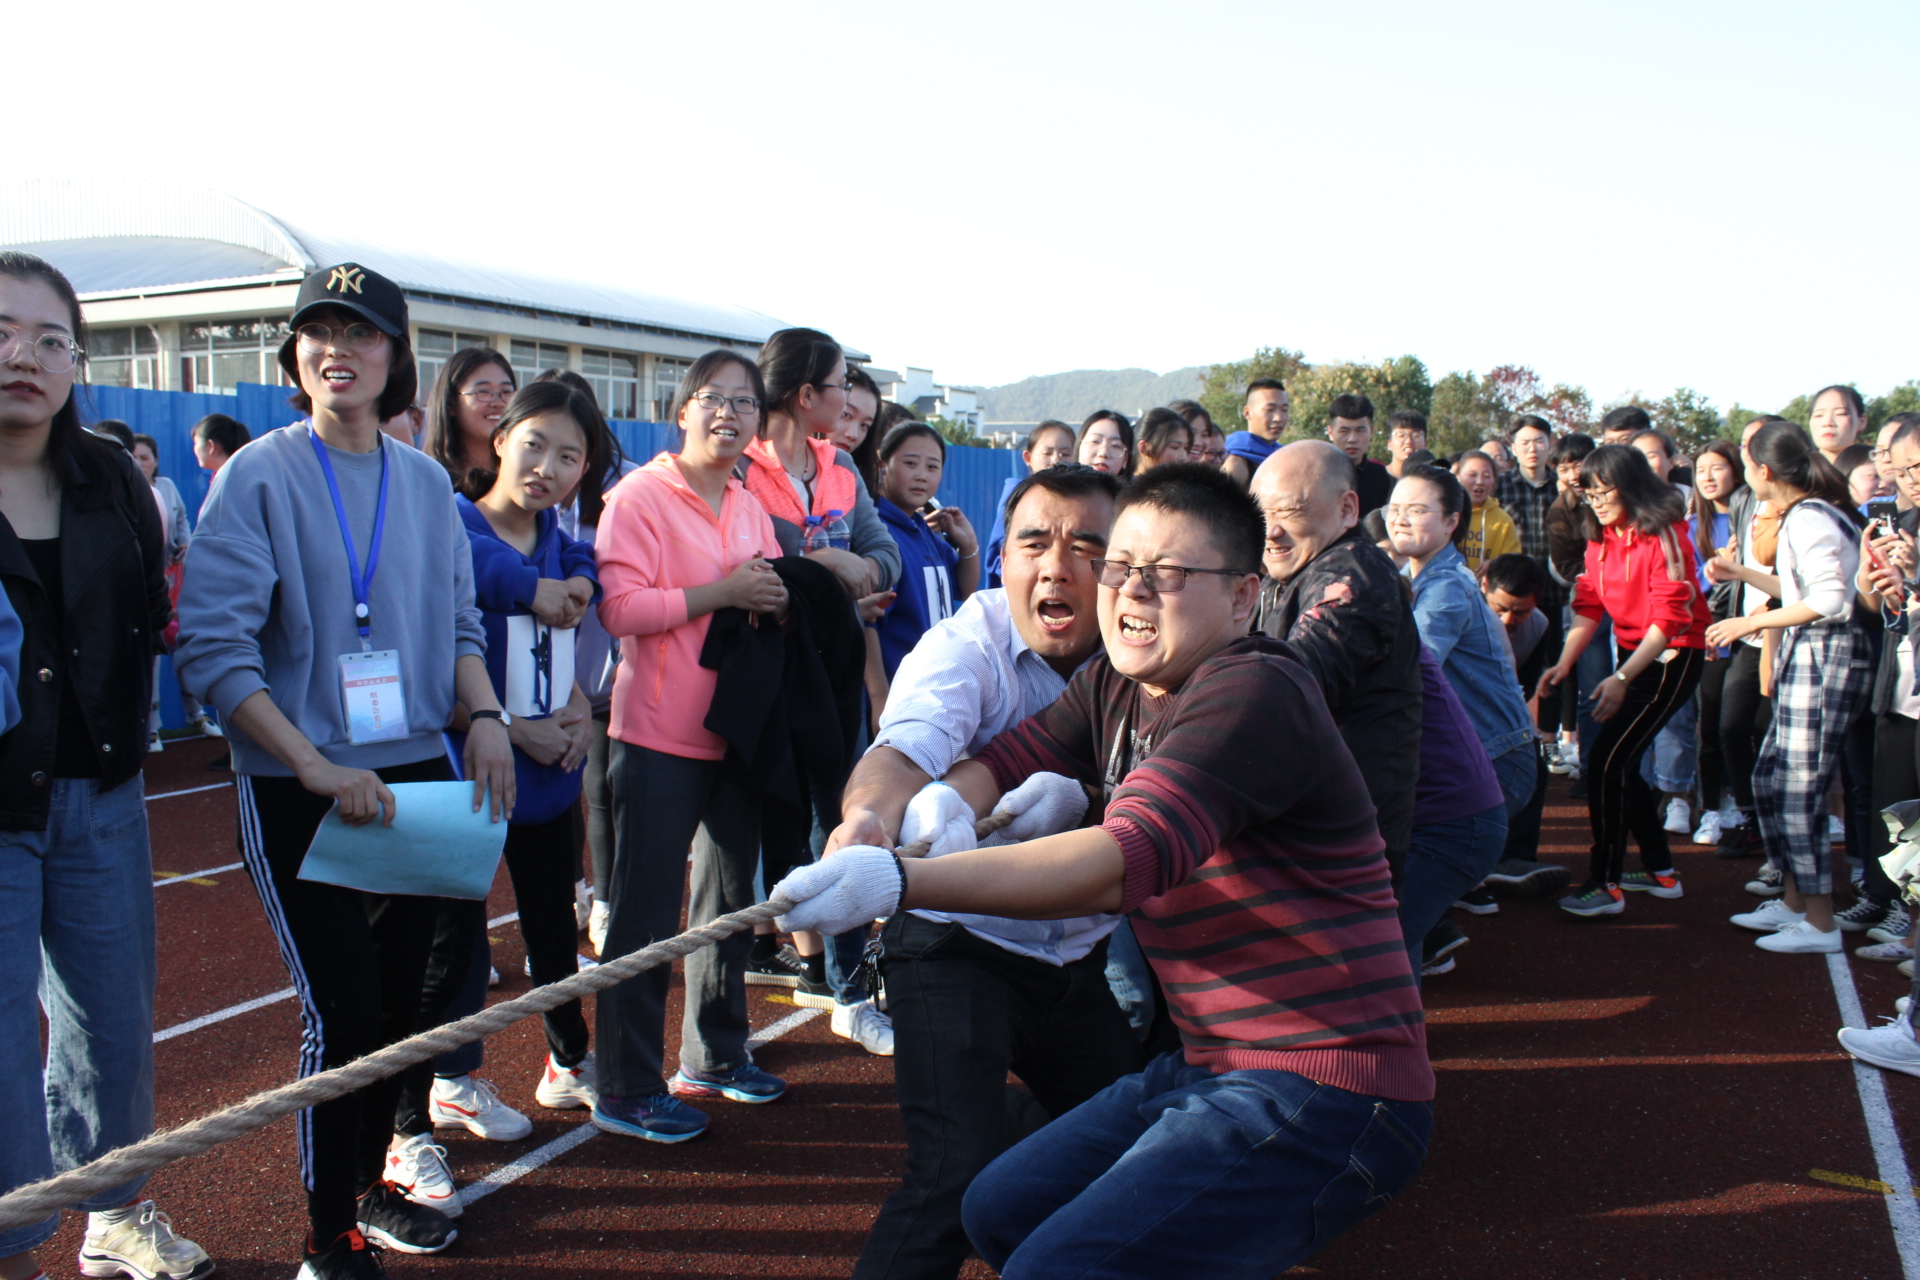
point(468, 398)
point(1640, 572)
point(1822, 679)
point(336, 648)
point(1717, 477)
point(1106, 444)
point(84, 565)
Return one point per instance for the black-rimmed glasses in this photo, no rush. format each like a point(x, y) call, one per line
point(713, 402)
point(1161, 579)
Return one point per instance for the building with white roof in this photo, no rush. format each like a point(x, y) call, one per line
point(187, 289)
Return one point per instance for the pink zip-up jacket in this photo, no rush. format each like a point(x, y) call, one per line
point(657, 538)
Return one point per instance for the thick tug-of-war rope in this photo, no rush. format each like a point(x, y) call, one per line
point(32, 1202)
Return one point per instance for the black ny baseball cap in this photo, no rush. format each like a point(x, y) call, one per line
point(350, 286)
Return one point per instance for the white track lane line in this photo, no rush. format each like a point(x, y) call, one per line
point(231, 1011)
point(579, 1135)
point(1888, 1155)
point(190, 791)
point(189, 875)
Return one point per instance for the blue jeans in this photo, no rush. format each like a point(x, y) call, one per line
point(1176, 1171)
point(77, 936)
point(1444, 860)
point(1670, 766)
point(1596, 664)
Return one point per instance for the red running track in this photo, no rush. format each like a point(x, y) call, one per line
point(1648, 1096)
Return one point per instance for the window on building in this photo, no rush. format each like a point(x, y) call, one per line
point(530, 358)
point(128, 357)
point(218, 357)
point(667, 373)
point(616, 381)
point(435, 347)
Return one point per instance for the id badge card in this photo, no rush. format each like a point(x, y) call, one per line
point(370, 690)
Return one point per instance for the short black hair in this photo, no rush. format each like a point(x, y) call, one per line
point(403, 377)
point(1666, 441)
point(114, 429)
point(229, 435)
point(1515, 574)
point(1572, 447)
point(1407, 420)
point(1351, 405)
point(1906, 426)
point(1067, 479)
point(1533, 420)
point(1628, 417)
point(1211, 496)
point(1375, 525)
point(1419, 458)
point(1191, 409)
point(1263, 384)
point(1040, 430)
point(1452, 494)
point(142, 438)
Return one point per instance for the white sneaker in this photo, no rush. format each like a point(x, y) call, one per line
point(493, 976)
point(582, 903)
point(208, 727)
point(597, 920)
point(564, 1088)
point(1800, 938)
point(1905, 968)
point(139, 1241)
point(1836, 829)
point(466, 1102)
point(154, 743)
point(1901, 1006)
point(866, 1026)
point(1768, 916)
point(1890, 1045)
point(1768, 883)
point(1708, 832)
point(1731, 817)
point(1679, 817)
point(419, 1169)
point(1563, 758)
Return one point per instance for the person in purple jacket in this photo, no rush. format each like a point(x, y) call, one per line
point(533, 585)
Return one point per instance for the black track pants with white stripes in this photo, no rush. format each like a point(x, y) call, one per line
point(357, 961)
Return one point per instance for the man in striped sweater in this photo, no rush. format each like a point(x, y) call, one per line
point(1239, 834)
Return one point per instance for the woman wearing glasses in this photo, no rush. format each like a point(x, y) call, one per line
point(468, 399)
point(1642, 574)
point(328, 614)
point(83, 561)
point(679, 539)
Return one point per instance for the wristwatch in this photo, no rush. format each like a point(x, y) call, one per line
point(1621, 676)
point(501, 716)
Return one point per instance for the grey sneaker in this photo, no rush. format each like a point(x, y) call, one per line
point(138, 1241)
point(1519, 878)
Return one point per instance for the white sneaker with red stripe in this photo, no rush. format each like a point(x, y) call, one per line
point(564, 1088)
point(419, 1169)
point(470, 1103)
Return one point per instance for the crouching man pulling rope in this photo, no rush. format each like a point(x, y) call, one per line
point(1239, 834)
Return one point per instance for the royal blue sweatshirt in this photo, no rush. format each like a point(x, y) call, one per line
point(504, 579)
point(927, 565)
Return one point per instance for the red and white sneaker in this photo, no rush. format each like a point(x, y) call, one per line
point(1655, 884)
point(564, 1088)
point(470, 1103)
point(418, 1170)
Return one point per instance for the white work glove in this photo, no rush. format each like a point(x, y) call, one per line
point(847, 889)
point(939, 814)
point(1044, 805)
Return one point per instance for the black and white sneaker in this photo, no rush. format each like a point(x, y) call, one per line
point(351, 1257)
point(1442, 941)
point(1862, 915)
point(386, 1215)
point(779, 966)
point(1521, 878)
point(1478, 901)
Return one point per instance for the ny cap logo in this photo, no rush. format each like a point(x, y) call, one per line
point(346, 278)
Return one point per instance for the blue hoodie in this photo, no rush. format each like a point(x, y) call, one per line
point(504, 581)
point(927, 565)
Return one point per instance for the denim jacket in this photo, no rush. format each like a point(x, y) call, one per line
point(1471, 646)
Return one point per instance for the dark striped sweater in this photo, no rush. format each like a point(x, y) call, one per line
point(1254, 871)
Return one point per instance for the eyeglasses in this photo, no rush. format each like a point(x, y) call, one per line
point(1161, 579)
point(1880, 455)
point(1596, 492)
point(843, 387)
point(54, 352)
point(486, 395)
point(358, 338)
point(742, 406)
point(1903, 474)
point(1413, 512)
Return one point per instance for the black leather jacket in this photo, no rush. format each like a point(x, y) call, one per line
point(106, 632)
point(1349, 618)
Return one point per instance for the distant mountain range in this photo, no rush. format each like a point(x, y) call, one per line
point(1073, 395)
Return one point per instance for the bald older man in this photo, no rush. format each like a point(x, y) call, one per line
point(1338, 600)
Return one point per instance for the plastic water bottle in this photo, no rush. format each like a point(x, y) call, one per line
point(829, 530)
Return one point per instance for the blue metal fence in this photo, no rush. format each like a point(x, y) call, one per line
point(973, 479)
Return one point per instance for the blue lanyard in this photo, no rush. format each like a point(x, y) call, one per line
point(362, 583)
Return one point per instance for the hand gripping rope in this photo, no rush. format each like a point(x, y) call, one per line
point(32, 1202)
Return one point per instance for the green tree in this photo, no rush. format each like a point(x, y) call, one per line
point(1466, 410)
point(1689, 419)
point(1224, 388)
point(1391, 385)
point(1568, 408)
point(1799, 409)
point(956, 432)
point(1904, 398)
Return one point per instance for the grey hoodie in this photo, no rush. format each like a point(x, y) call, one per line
point(268, 604)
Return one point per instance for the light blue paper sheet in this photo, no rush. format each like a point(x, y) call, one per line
point(437, 846)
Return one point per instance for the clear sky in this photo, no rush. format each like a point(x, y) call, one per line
point(1630, 196)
